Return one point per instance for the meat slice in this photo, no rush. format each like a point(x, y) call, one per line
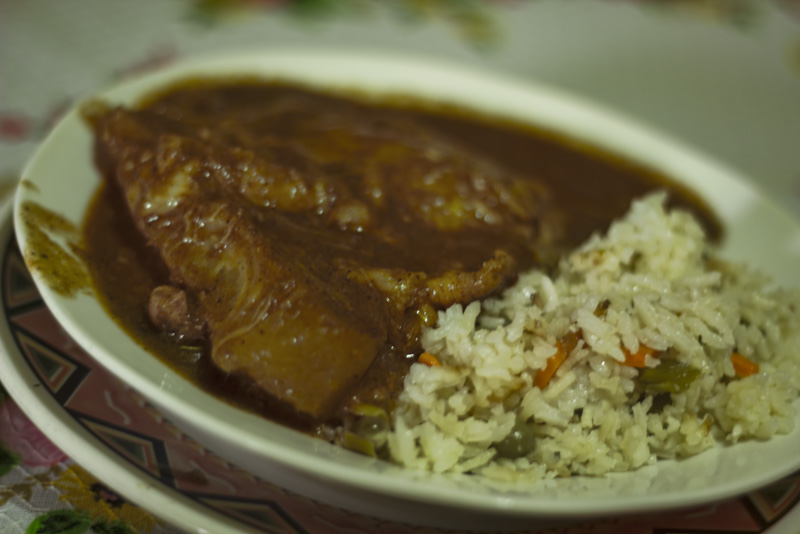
point(312, 257)
point(267, 314)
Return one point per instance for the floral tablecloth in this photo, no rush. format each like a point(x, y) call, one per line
point(43, 491)
point(721, 75)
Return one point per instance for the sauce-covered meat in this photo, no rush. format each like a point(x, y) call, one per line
point(284, 247)
point(306, 245)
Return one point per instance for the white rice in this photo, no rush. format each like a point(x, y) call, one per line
point(656, 273)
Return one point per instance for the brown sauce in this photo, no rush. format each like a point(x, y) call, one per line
point(590, 188)
point(59, 265)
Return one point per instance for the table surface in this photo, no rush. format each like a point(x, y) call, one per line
point(721, 75)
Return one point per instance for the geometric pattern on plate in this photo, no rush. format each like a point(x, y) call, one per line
point(60, 373)
point(145, 452)
point(264, 515)
point(18, 287)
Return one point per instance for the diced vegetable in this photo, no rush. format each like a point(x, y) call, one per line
point(743, 366)
point(639, 358)
point(543, 376)
point(670, 376)
point(428, 315)
point(367, 431)
point(357, 443)
point(364, 409)
point(519, 442)
point(602, 307)
point(371, 427)
point(563, 347)
point(429, 359)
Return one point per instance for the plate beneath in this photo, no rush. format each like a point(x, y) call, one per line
point(118, 436)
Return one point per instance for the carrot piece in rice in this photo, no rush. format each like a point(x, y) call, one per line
point(544, 375)
point(638, 358)
point(429, 359)
point(743, 366)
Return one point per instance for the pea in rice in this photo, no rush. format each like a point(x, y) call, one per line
point(647, 320)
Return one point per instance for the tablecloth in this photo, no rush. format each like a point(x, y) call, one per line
point(721, 75)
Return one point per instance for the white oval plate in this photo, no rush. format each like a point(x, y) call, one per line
point(63, 178)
